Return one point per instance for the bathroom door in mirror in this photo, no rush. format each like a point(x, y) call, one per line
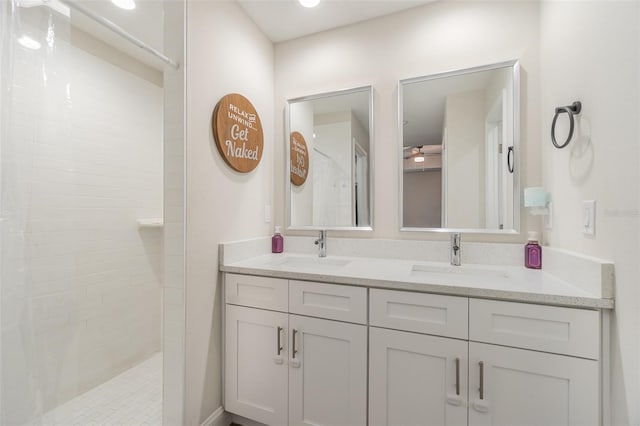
point(459, 134)
point(337, 128)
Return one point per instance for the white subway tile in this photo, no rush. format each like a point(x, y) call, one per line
point(96, 279)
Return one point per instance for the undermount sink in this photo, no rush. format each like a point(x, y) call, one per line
point(318, 263)
point(486, 272)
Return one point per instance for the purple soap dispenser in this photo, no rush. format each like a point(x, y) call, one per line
point(533, 252)
point(277, 242)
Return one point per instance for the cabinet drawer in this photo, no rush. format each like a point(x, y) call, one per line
point(332, 301)
point(257, 292)
point(566, 331)
point(421, 313)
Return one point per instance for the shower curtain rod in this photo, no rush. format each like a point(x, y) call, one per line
point(332, 160)
point(323, 154)
point(120, 31)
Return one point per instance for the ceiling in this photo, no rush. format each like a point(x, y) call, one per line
point(145, 23)
point(279, 20)
point(282, 20)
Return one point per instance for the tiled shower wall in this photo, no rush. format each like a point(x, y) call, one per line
point(95, 275)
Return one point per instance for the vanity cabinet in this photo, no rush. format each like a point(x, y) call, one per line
point(328, 375)
point(287, 368)
point(308, 353)
point(511, 386)
point(256, 378)
point(418, 379)
point(533, 364)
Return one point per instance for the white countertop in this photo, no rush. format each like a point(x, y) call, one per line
point(513, 283)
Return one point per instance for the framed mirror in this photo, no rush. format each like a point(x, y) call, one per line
point(329, 160)
point(459, 150)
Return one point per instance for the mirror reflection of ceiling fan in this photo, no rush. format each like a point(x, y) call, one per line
point(419, 152)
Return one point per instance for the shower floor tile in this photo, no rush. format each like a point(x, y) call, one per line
point(133, 398)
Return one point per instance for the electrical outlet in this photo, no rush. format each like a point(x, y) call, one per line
point(267, 213)
point(589, 217)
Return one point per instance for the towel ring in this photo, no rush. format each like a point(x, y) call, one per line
point(571, 110)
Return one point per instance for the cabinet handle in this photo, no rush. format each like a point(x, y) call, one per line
point(279, 342)
point(295, 351)
point(481, 365)
point(457, 376)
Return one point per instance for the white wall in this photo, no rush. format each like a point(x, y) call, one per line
point(437, 37)
point(226, 53)
point(464, 124)
point(601, 55)
point(600, 67)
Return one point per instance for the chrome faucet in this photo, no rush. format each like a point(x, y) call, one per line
point(455, 249)
point(322, 244)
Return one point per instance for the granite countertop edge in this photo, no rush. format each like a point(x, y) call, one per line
point(453, 290)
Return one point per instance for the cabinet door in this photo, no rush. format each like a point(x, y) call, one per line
point(522, 387)
point(327, 372)
point(416, 379)
point(255, 368)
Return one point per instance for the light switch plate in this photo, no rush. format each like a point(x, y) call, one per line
point(589, 217)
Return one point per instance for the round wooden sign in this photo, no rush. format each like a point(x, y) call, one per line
point(299, 157)
point(238, 132)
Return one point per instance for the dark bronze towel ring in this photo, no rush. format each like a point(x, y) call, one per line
point(571, 110)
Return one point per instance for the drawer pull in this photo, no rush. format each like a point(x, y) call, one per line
point(457, 376)
point(279, 342)
point(481, 365)
point(294, 350)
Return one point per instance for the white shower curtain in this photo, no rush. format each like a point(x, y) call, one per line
point(34, 108)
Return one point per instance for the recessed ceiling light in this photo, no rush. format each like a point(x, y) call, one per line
point(125, 4)
point(29, 43)
point(309, 3)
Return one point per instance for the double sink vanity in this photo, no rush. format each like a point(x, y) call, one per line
point(371, 335)
point(407, 332)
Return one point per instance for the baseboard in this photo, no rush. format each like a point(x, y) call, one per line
point(218, 418)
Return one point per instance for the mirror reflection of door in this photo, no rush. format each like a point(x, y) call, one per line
point(495, 153)
point(361, 181)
